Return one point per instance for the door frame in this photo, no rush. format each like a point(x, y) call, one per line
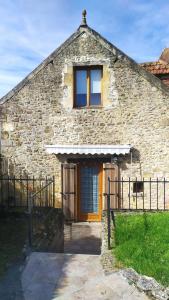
point(91, 217)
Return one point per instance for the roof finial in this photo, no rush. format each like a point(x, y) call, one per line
point(84, 13)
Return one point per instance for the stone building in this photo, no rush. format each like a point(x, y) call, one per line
point(87, 112)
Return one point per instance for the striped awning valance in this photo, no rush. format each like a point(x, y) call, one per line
point(88, 149)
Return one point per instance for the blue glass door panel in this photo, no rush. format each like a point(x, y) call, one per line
point(89, 189)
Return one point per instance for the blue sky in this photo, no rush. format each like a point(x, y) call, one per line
point(31, 29)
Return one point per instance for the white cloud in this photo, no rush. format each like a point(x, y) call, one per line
point(145, 28)
point(30, 30)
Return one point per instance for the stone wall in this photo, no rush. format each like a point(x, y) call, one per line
point(40, 112)
point(48, 229)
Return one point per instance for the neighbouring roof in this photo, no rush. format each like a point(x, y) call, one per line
point(165, 56)
point(88, 149)
point(161, 66)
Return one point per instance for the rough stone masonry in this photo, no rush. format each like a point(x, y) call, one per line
point(39, 111)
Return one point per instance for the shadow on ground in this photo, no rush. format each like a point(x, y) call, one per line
point(82, 238)
point(10, 283)
point(50, 276)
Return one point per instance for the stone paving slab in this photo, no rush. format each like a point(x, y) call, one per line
point(49, 276)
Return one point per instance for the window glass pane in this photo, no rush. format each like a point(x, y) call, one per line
point(89, 189)
point(95, 90)
point(81, 88)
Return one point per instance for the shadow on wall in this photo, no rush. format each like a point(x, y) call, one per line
point(15, 192)
point(123, 159)
point(15, 188)
point(128, 159)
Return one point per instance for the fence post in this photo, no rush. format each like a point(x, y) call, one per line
point(46, 193)
point(113, 218)
point(2, 180)
point(30, 228)
point(54, 191)
point(8, 191)
point(108, 214)
point(14, 186)
point(164, 193)
point(27, 191)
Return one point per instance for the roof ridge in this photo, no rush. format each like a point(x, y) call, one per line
point(116, 52)
point(142, 71)
point(159, 61)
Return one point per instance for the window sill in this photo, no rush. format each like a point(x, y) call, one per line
point(89, 107)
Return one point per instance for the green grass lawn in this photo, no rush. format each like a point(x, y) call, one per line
point(142, 242)
point(13, 233)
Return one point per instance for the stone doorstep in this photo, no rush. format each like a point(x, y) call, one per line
point(86, 223)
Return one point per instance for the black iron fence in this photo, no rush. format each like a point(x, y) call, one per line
point(35, 199)
point(135, 195)
point(45, 223)
point(15, 191)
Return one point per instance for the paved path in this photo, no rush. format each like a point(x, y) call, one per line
point(82, 238)
point(73, 277)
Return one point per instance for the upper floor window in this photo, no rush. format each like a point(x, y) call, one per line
point(87, 86)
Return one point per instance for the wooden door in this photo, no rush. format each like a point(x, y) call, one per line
point(112, 171)
point(69, 191)
point(89, 199)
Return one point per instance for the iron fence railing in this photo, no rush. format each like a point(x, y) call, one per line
point(133, 194)
point(45, 224)
point(14, 191)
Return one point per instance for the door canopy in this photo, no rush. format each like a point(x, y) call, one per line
point(88, 149)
